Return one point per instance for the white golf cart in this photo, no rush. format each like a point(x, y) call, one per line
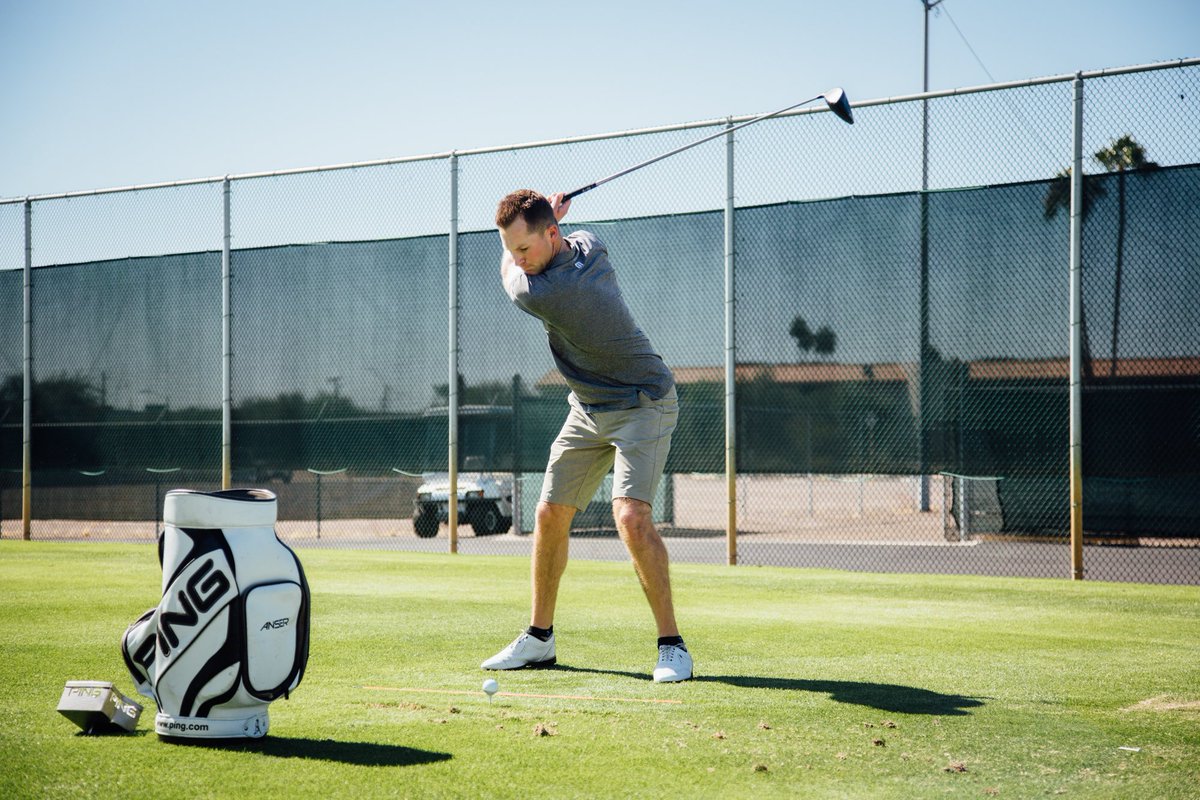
point(484, 501)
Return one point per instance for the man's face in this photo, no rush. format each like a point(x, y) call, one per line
point(531, 251)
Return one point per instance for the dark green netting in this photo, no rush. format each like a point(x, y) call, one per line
point(126, 365)
point(11, 315)
point(1141, 388)
point(340, 357)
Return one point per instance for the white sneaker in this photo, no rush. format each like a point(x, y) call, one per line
point(525, 651)
point(674, 664)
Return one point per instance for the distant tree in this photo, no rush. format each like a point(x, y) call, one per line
point(441, 391)
point(1058, 195)
point(801, 333)
point(295, 406)
point(488, 393)
point(825, 341)
point(1058, 198)
point(11, 396)
point(1122, 155)
point(59, 398)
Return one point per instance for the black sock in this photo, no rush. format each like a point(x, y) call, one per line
point(543, 634)
point(675, 640)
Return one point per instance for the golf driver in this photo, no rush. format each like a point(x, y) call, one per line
point(835, 98)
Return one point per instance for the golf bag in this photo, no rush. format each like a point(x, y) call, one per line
point(230, 634)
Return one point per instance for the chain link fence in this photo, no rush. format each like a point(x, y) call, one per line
point(901, 385)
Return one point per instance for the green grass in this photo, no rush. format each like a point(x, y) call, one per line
point(810, 683)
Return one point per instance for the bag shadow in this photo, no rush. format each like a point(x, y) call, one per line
point(362, 754)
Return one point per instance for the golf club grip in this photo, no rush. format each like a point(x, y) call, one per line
point(579, 191)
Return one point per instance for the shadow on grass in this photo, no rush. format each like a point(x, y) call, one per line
point(882, 696)
point(363, 754)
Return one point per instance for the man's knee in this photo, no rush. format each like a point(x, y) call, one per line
point(554, 517)
point(632, 516)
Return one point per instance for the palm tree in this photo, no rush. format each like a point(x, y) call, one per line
point(1058, 197)
point(1121, 155)
point(825, 341)
point(802, 334)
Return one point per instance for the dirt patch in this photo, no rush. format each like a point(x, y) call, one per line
point(1164, 703)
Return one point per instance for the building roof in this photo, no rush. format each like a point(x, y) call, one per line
point(986, 369)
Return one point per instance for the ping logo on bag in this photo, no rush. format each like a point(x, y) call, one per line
point(202, 590)
point(144, 656)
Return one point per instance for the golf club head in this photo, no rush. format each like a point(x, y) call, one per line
point(839, 104)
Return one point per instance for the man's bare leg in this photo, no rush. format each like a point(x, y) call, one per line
point(551, 542)
point(636, 526)
point(550, 538)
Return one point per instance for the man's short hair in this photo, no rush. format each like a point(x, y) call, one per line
point(529, 206)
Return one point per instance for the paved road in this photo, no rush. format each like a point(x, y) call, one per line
point(855, 548)
point(1007, 558)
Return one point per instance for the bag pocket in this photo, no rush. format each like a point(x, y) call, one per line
point(138, 647)
point(276, 639)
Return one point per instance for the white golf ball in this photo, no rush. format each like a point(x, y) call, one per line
point(490, 686)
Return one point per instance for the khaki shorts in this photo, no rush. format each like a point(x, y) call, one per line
point(633, 443)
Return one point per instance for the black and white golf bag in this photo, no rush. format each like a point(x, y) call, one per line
point(231, 631)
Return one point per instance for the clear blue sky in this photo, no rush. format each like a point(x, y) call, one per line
point(97, 94)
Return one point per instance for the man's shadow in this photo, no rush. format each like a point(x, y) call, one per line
point(363, 754)
point(883, 696)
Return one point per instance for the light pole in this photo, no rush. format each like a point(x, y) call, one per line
point(922, 458)
point(925, 103)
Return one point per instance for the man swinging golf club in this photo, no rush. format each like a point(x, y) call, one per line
point(623, 410)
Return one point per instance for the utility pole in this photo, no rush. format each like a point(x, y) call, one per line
point(922, 456)
point(925, 103)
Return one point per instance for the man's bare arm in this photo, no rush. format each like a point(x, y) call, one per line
point(506, 264)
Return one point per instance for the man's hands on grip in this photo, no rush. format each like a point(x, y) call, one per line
point(559, 207)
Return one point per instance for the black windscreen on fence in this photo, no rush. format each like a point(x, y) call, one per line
point(859, 351)
point(1141, 338)
point(11, 391)
point(126, 391)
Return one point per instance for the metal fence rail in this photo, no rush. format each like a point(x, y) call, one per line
point(978, 353)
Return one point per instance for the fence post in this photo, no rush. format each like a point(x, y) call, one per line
point(226, 348)
point(1076, 388)
point(517, 438)
point(730, 359)
point(158, 509)
point(452, 387)
point(321, 473)
point(964, 510)
point(27, 398)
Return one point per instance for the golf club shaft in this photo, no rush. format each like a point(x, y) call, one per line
point(648, 162)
